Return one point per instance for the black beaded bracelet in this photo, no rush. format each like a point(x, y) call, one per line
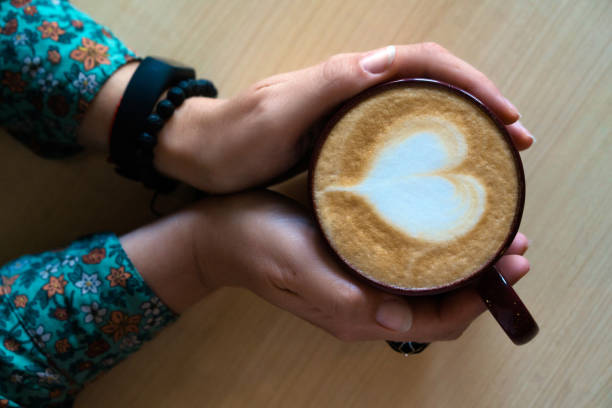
point(147, 140)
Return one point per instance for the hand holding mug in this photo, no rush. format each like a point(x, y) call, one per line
point(226, 145)
point(269, 244)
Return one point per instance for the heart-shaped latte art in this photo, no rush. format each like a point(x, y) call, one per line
point(412, 186)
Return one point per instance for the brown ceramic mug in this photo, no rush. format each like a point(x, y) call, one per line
point(418, 189)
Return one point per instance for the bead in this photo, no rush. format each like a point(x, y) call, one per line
point(147, 140)
point(165, 109)
point(187, 87)
point(205, 88)
point(191, 88)
point(201, 87)
point(212, 91)
point(183, 85)
point(154, 123)
point(176, 95)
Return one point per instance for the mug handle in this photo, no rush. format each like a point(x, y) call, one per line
point(506, 307)
point(503, 303)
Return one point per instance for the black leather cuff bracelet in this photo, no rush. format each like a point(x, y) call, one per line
point(152, 77)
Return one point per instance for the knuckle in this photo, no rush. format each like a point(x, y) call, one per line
point(347, 302)
point(283, 277)
point(335, 68)
point(276, 273)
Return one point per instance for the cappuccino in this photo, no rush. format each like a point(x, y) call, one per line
point(415, 187)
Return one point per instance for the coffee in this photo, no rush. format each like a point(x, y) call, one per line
point(416, 187)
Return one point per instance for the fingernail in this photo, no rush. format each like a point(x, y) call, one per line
point(378, 61)
point(527, 132)
point(512, 107)
point(394, 316)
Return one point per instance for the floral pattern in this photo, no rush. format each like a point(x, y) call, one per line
point(88, 283)
point(90, 53)
point(50, 30)
point(53, 61)
point(120, 324)
point(68, 315)
point(93, 313)
point(85, 83)
point(55, 286)
point(118, 277)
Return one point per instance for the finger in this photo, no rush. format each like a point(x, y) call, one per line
point(513, 267)
point(433, 61)
point(446, 318)
point(521, 137)
point(324, 86)
point(519, 245)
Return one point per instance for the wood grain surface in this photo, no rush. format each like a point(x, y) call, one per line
point(552, 58)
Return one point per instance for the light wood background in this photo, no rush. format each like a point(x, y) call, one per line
point(552, 58)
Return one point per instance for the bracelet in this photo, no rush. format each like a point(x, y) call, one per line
point(134, 130)
point(148, 82)
point(407, 347)
point(147, 140)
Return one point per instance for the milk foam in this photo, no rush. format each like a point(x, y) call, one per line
point(411, 185)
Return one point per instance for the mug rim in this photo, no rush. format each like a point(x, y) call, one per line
point(411, 82)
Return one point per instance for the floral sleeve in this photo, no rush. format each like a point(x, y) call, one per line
point(53, 61)
point(66, 316)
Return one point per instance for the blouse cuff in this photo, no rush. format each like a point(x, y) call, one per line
point(67, 316)
point(54, 59)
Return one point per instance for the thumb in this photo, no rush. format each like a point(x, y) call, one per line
point(343, 75)
point(325, 85)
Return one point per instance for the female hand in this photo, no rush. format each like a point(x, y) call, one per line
point(268, 244)
point(223, 146)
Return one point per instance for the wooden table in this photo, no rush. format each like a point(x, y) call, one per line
point(552, 58)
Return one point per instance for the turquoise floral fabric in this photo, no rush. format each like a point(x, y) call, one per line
point(67, 316)
point(53, 61)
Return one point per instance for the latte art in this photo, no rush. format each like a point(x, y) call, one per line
point(415, 187)
point(412, 185)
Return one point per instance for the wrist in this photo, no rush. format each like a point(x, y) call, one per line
point(189, 143)
point(183, 149)
point(208, 247)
